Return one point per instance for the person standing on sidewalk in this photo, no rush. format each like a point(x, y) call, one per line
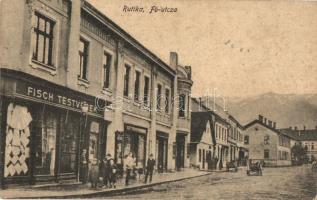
point(149, 168)
point(113, 173)
point(106, 170)
point(94, 173)
point(129, 164)
point(83, 166)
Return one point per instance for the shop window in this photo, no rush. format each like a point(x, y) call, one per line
point(126, 80)
point(137, 86)
point(167, 100)
point(83, 58)
point(45, 144)
point(93, 140)
point(130, 142)
point(17, 150)
point(158, 97)
point(181, 107)
point(69, 142)
point(107, 60)
point(146, 96)
point(42, 39)
point(266, 154)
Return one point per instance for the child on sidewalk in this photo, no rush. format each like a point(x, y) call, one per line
point(113, 173)
point(94, 173)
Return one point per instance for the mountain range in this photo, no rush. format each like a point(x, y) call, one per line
point(285, 109)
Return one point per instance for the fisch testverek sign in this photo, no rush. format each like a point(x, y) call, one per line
point(94, 105)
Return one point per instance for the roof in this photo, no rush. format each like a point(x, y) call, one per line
point(236, 121)
point(301, 135)
point(198, 126)
point(126, 36)
point(256, 121)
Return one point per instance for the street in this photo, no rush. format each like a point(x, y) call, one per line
point(276, 183)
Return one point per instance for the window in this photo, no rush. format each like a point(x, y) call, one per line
point(126, 80)
point(312, 146)
point(68, 142)
point(137, 86)
point(199, 155)
point(45, 144)
point(167, 100)
point(266, 139)
point(146, 90)
point(43, 39)
point(266, 154)
point(158, 97)
point(246, 139)
point(83, 56)
point(181, 107)
point(107, 59)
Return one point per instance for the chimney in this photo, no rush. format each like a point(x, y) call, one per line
point(173, 60)
point(295, 128)
point(270, 123)
point(189, 72)
point(264, 120)
point(260, 118)
point(274, 125)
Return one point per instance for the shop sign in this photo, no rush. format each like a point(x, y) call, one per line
point(58, 98)
point(135, 129)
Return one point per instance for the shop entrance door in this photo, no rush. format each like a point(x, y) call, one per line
point(161, 146)
point(180, 151)
point(204, 158)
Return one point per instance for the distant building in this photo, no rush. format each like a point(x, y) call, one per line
point(237, 150)
point(202, 141)
point(219, 130)
point(268, 143)
point(305, 137)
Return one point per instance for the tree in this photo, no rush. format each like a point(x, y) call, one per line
point(299, 154)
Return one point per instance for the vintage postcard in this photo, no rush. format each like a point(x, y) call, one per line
point(158, 99)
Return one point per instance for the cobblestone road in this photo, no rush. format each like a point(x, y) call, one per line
point(276, 183)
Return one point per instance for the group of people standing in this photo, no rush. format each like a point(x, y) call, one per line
point(130, 164)
point(106, 170)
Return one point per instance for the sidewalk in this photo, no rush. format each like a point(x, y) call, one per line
point(77, 190)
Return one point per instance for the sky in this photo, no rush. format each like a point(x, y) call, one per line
point(238, 48)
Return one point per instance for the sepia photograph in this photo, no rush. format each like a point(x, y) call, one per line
point(158, 99)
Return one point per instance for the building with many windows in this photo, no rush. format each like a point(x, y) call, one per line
point(237, 150)
point(305, 137)
point(184, 85)
point(219, 130)
point(267, 143)
point(75, 86)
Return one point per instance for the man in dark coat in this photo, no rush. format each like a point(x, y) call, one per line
point(106, 170)
point(149, 168)
point(83, 166)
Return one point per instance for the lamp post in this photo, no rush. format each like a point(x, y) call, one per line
point(84, 111)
